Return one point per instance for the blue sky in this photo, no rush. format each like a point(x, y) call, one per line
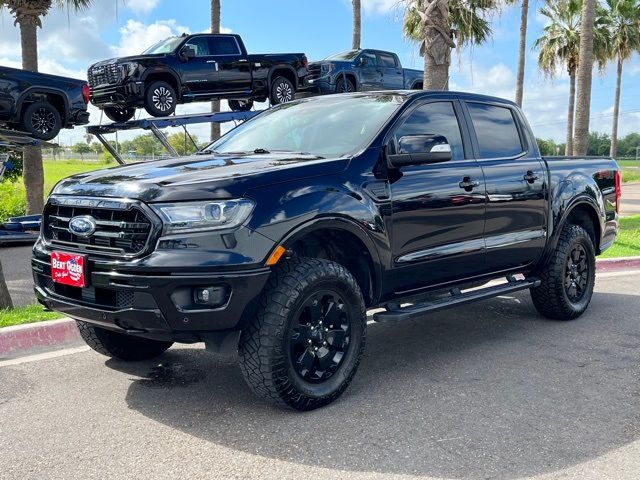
point(70, 42)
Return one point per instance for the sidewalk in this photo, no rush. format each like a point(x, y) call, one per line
point(630, 203)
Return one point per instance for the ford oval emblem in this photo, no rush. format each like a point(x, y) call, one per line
point(83, 225)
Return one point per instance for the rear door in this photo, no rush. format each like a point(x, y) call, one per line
point(234, 69)
point(437, 209)
point(515, 176)
point(392, 77)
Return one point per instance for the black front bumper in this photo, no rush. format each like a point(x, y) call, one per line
point(145, 304)
point(125, 94)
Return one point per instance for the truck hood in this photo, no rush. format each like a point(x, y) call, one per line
point(133, 58)
point(198, 177)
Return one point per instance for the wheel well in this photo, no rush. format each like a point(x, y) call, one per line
point(586, 217)
point(349, 76)
point(286, 73)
point(344, 248)
point(56, 100)
point(417, 86)
point(165, 77)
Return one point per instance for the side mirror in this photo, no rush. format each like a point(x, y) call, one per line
point(420, 149)
point(362, 62)
point(188, 52)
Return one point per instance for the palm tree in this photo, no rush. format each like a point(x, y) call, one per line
point(357, 14)
point(28, 16)
point(434, 24)
point(215, 28)
point(585, 73)
point(5, 298)
point(522, 51)
point(622, 19)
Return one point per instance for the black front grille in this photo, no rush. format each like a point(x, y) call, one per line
point(103, 75)
point(118, 232)
point(314, 71)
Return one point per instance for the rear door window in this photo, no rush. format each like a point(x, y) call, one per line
point(223, 46)
point(386, 60)
point(496, 130)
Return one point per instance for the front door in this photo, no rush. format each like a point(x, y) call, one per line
point(515, 177)
point(200, 74)
point(437, 209)
point(392, 77)
point(234, 70)
point(370, 76)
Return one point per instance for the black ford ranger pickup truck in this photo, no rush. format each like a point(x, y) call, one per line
point(276, 239)
point(41, 104)
point(194, 68)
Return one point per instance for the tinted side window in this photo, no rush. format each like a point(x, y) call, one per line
point(201, 45)
point(437, 118)
point(369, 58)
point(223, 46)
point(496, 130)
point(387, 60)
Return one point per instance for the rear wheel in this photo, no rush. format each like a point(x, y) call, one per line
point(305, 342)
point(42, 120)
point(120, 345)
point(160, 99)
point(282, 91)
point(568, 277)
point(119, 114)
point(240, 105)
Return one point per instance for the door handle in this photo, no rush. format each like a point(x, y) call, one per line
point(530, 176)
point(468, 184)
point(211, 61)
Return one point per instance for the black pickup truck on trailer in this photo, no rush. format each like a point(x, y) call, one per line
point(276, 239)
point(41, 104)
point(194, 68)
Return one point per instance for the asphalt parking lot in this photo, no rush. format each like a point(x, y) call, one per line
point(491, 390)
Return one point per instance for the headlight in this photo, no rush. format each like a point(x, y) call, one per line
point(128, 69)
point(327, 67)
point(202, 216)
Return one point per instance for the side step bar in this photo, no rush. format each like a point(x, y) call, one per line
point(396, 313)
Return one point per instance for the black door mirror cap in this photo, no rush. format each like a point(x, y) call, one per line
point(421, 149)
point(187, 52)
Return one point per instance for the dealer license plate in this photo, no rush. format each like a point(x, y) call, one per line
point(68, 268)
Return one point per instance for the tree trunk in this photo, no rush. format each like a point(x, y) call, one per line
point(613, 152)
point(522, 52)
point(437, 44)
point(5, 298)
point(585, 72)
point(568, 149)
point(32, 172)
point(215, 28)
point(357, 14)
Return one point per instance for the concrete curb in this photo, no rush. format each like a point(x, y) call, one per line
point(38, 337)
point(41, 337)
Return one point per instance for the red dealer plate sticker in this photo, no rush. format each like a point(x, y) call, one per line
point(68, 268)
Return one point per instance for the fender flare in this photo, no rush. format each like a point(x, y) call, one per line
point(281, 66)
point(43, 90)
point(163, 71)
point(341, 223)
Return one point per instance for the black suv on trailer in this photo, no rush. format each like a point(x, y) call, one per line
point(41, 104)
point(194, 68)
point(278, 237)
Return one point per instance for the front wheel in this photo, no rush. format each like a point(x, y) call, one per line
point(304, 344)
point(160, 99)
point(119, 114)
point(120, 345)
point(282, 91)
point(568, 277)
point(344, 85)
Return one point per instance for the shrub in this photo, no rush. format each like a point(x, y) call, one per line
point(12, 199)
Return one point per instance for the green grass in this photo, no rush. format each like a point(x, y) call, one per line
point(630, 175)
point(28, 314)
point(628, 242)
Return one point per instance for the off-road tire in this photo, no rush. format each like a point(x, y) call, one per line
point(120, 345)
point(345, 85)
point(240, 105)
point(282, 91)
point(160, 99)
point(119, 114)
point(552, 297)
point(265, 358)
point(41, 120)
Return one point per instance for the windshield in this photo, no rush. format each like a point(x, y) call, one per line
point(346, 56)
point(323, 126)
point(167, 45)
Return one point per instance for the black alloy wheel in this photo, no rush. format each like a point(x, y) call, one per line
point(344, 85)
point(42, 120)
point(320, 337)
point(576, 273)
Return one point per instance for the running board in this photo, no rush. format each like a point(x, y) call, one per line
point(396, 313)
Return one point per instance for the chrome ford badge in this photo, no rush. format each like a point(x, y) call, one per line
point(83, 225)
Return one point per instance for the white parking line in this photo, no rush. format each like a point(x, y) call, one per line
point(42, 356)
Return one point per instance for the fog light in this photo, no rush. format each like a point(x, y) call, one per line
point(209, 296)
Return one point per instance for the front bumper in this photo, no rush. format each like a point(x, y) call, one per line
point(150, 304)
point(125, 94)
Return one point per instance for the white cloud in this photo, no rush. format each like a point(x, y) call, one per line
point(136, 36)
point(381, 6)
point(142, 6)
